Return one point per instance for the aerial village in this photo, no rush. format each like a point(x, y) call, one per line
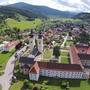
point(58, 53)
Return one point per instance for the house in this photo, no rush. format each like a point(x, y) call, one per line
point(1, 47)
point(34, 72)
point(10, 45)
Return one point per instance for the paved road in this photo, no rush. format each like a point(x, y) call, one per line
point(65, 39)
point(6, 78)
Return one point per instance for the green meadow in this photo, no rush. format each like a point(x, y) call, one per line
point(23, 24)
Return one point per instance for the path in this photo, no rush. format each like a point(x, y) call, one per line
point(65, 39)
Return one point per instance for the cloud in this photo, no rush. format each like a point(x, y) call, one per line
point(78, 5)
point(64, 5)
point(86, 2)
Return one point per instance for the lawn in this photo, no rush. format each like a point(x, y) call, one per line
point(17, 86)
point(64, 57)
point(47, 54)
point(4, 57)
point(24, 24)
point(0, 87)
point(69, 42)
point(52, 83)
point(55, 84)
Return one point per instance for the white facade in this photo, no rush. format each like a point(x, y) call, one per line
point(32, 43)
point(58, 74)
point(33, 76)
point(1, 46)
point(62, 74)
point(40, 45)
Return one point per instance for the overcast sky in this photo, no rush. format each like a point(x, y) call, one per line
point(65, 5)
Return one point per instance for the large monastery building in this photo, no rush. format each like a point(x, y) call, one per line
point(34, 67)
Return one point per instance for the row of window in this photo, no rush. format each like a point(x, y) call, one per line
point(61, 74)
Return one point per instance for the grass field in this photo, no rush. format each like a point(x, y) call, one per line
point(4, 57)
point(47, 54)
point(0, 87)
point(71, 20)
point(69, 42)
point(17, 86)
point(64, 57)
point(24, 24)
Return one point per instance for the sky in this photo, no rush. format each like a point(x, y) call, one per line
point(64, 5)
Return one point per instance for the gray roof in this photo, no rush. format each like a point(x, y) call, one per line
point(35, 52)
point(84, 56)
point(26, 60)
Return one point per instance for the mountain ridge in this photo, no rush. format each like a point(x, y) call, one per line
point(44, 10)
point(11, 12)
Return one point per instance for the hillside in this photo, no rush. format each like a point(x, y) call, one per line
point(11, 17)
point(12, 12)
point(42, 10)
point(84, 16)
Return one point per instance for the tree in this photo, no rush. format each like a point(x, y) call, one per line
point(30, 86)
point(35, 88)
point(56, 51)
point(83, 38)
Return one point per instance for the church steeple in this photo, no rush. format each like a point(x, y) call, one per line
point(31, 34)
point(32, 40)
point(40, 36)
point(40, 42)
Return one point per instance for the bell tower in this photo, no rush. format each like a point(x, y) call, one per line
point(32, 40)
point(40, 42)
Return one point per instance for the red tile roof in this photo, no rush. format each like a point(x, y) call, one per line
point(75, 59)
point(11, 44)
point(58, 66)
point(83, 49)
point(35, 68)
point(79, 52)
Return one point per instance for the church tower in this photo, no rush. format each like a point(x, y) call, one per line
point(32, 40)
point(40, 42)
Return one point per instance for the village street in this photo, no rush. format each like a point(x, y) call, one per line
point(6, 78)
point(65, 39)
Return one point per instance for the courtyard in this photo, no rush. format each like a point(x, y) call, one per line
point(65, 57)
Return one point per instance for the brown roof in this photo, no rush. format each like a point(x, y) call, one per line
point(58, 66)
point(79, 53)
point(84, 56)
point(11, 44)
point(35, 68)
point(83, 49)
point(75, 58)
